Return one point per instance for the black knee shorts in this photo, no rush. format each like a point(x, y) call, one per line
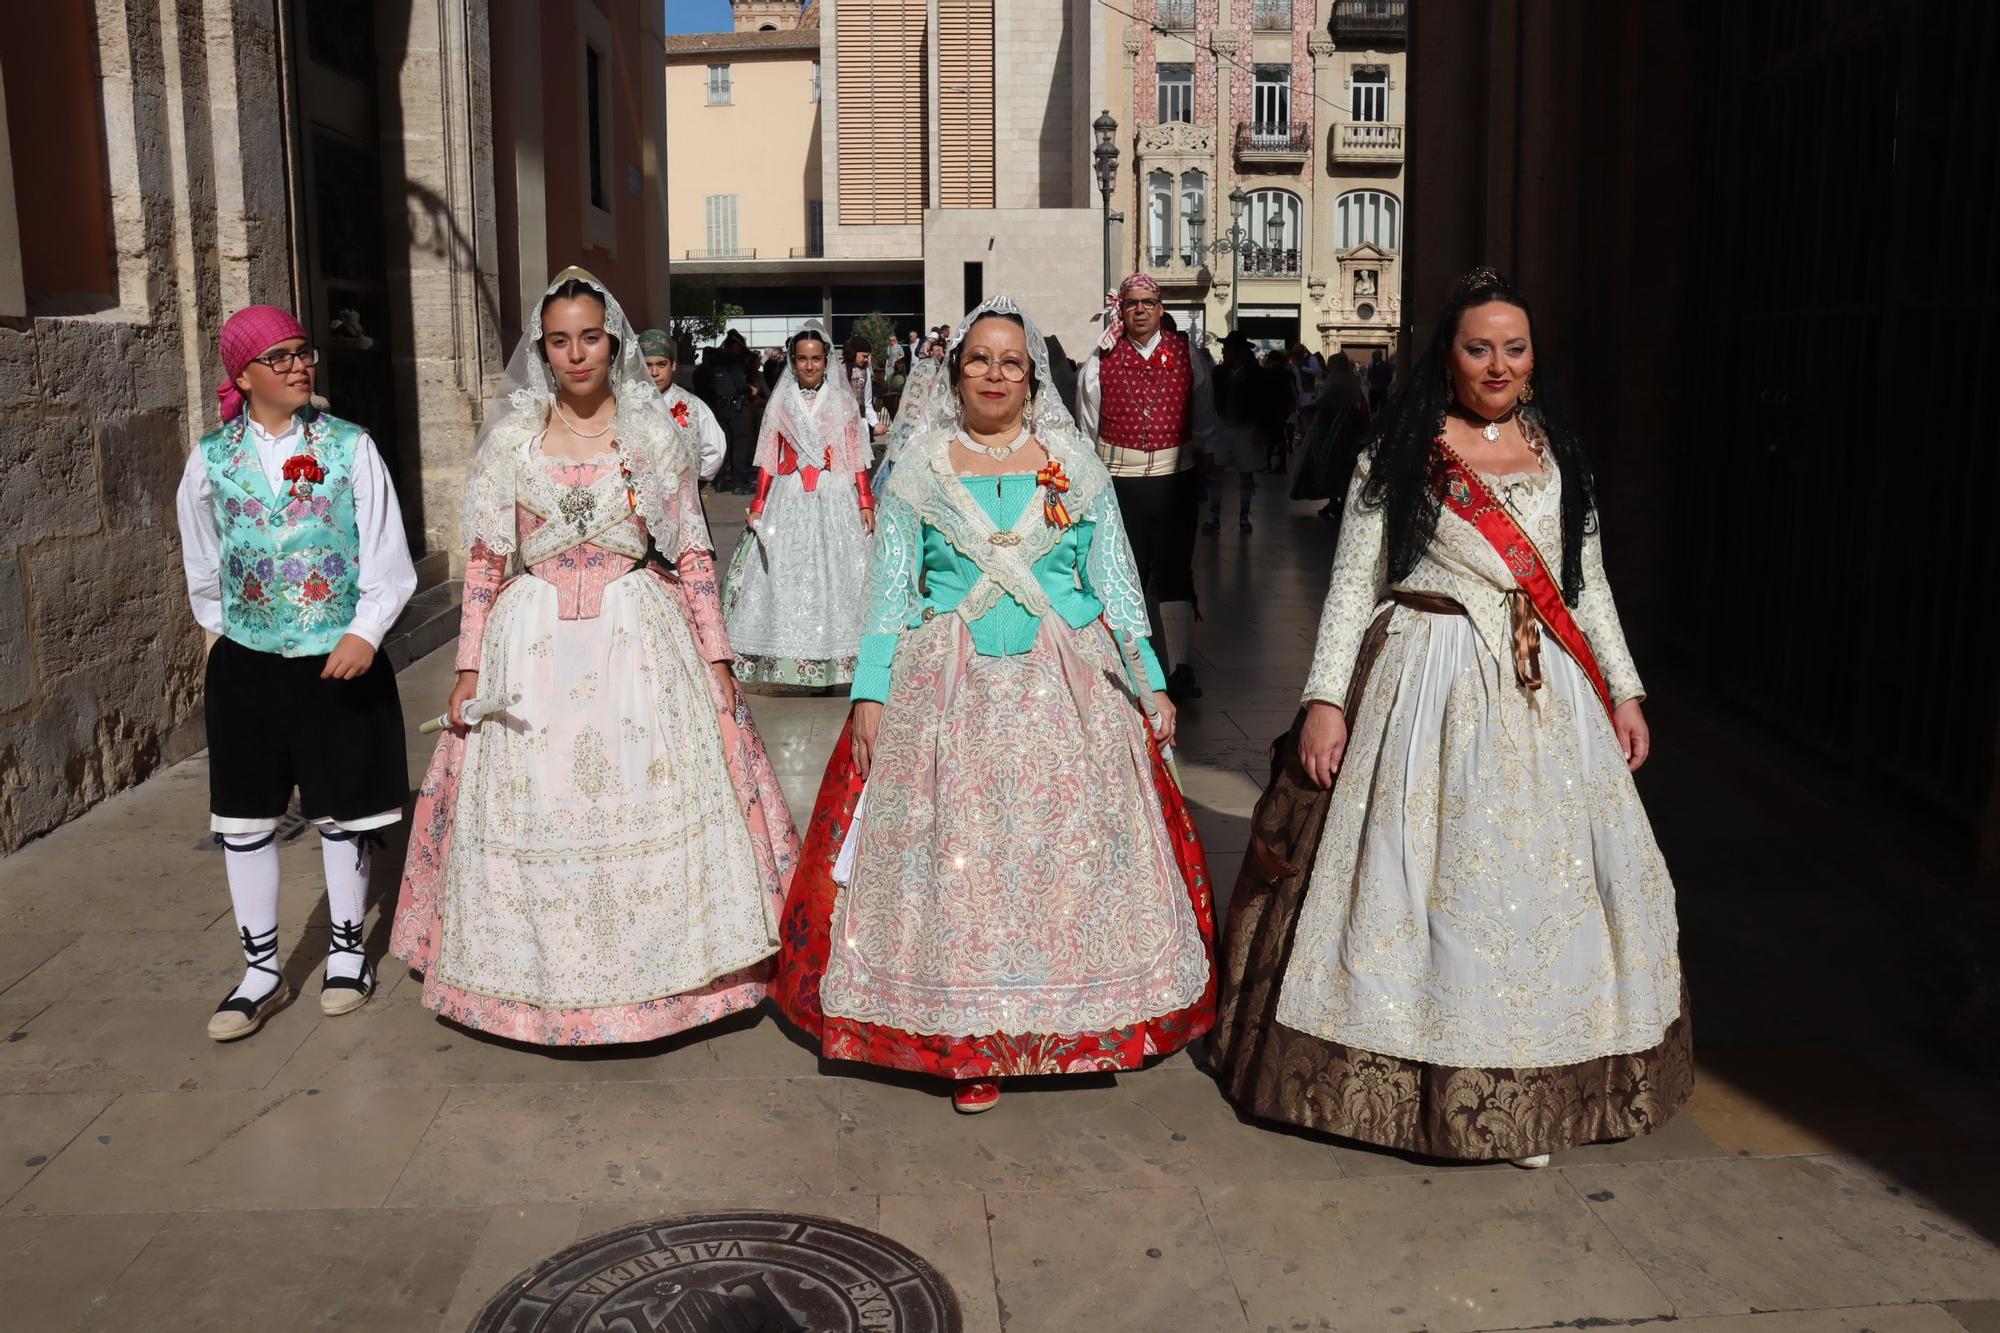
point(274, 725)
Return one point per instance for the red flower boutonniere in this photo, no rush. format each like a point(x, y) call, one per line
point(680, 411)
point(304, 472)
point(1055, 484)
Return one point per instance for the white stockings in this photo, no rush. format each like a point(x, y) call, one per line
point(251, 860)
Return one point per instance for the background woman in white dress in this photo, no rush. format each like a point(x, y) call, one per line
point(1468, 947)
point(798, 584)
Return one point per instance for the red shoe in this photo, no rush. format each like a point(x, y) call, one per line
point(974, 1097)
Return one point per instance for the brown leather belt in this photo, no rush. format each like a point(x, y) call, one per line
point(1526, 629)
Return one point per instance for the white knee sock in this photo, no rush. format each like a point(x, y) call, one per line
point(346, 854)
point(251, 862)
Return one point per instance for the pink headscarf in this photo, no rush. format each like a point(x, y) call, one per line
point(1114, 308)
point(250, 332)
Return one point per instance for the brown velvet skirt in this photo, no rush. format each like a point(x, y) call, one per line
point(1280, 1074)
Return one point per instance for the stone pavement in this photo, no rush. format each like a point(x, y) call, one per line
point(386, 1171)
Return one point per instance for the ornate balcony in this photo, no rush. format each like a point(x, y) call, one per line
point(1176, 138)
point(1269, 261)
point(721, 254)
point(1291, 143)
point(1367, 141)
point(1371, 22)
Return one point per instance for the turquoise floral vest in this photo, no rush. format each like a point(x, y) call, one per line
point(289, 582)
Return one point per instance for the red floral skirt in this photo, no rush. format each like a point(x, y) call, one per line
point(806, 930)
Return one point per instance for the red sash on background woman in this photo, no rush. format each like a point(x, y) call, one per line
point(1462, 492)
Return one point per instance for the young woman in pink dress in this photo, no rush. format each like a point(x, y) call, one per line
point(600, 846)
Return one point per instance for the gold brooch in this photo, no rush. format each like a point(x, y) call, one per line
point(1005, 539)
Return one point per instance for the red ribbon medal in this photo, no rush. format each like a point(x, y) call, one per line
point(1055, 483)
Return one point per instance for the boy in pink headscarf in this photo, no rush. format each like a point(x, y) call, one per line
point(295, 557)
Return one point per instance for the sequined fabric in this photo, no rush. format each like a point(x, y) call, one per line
point(798, 585)
point(1015, 872)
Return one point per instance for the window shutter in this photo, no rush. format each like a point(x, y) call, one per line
point(879, 90)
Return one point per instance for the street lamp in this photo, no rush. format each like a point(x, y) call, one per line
point(1106, 157)
point(1233, 243)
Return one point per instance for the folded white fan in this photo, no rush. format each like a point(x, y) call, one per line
point(843, 865)
point(474, 711)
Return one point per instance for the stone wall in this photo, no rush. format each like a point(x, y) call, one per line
point(1048, 259)
point(100, 662)
point(1037, 50)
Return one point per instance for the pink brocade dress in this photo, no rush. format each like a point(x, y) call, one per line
point(604, 860)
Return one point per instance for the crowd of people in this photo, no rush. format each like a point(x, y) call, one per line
point(1453, 933)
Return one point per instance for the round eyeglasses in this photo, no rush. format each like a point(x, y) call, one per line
point(979, 367)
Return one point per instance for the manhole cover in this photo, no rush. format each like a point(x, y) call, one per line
point(728, 1273)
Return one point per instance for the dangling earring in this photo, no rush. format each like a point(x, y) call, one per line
point(1527, 392)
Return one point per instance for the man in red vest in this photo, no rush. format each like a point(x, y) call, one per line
point(1133, 399)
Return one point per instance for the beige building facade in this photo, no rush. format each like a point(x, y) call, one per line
point(953, 148)
point(744, 173)
point(1297, 105)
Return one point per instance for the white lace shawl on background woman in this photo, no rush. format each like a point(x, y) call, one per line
point(825, 428)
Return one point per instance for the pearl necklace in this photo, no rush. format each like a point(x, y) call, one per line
point(579, 431)
point(999, 453)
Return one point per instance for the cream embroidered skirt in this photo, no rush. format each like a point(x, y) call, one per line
point(1487, 892)
point(599, 854)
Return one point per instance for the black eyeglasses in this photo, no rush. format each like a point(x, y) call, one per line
point(1145, 302)
point(280, 362)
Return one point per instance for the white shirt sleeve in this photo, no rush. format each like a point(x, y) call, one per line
point(714, 444)
point(1089, 396)
point(386, 578)
point(201, 543)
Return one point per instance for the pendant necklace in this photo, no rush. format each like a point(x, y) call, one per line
point(999, 453)
point(580, 431)
point(1491, 432)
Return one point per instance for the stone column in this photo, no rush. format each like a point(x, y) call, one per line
point(447, 336)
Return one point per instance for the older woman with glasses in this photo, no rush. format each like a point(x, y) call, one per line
point(1022, 890)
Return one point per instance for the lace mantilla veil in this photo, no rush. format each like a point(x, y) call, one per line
point(827, 430)
point(654, 450)
point(925, 482)
point(1053, 426)
point(923, 382)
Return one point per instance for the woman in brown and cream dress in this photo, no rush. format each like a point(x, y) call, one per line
point(1454, 934)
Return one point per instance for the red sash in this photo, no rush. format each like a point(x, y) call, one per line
point(1462, 492)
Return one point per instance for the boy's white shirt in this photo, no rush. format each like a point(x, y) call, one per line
point(714, 444)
